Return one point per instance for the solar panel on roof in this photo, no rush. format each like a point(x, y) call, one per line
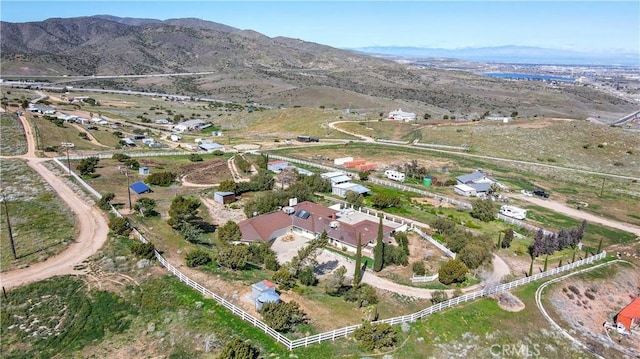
point(303, 214)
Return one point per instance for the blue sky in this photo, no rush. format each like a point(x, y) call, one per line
point(573, 25)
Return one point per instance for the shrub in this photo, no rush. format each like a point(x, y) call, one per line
point(120, 157)
point(439, 296)
point(418, 268)
point(483, 210)
point(197, 258)
point(375, 336)
point(281, 316)
point(363, 294)
point(473, 254)
point(104, 203)
point(194, 157)
point(132, 163)
point(453, 271)
point(284, 278)
point(238, 349)
point(575, 290)
point(307, 277)
point(384, 200)
point(143, 250)
point(233, 256)
point(160, 178)
point(119, 226)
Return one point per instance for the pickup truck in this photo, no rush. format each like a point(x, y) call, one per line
point(541, 193)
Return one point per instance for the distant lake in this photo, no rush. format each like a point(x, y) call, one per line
point(507, 75)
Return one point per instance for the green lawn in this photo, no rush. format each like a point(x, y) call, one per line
point(593, 232)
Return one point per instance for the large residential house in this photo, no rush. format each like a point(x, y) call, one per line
point(475, 184)
point(400, 115)
point(311, 219)
point(190, 125)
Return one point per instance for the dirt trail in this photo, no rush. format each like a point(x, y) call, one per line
point(572, 212)
point(89, 135)
point(332, 125)
point(91, 224)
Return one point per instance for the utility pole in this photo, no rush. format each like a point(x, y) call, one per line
point(6, 213)
point(68, 161)
point(602, 188)
point(126, 173)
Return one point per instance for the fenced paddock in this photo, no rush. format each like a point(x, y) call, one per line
point(345, 331)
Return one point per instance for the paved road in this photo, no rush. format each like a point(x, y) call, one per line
point(90, 223)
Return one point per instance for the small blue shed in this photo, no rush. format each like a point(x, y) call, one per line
point(140, 187)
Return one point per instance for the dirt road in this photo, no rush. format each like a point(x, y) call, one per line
point(500, 269)
point(332, 125)
point(90, 136)
point(574, 213)
point(90, 222)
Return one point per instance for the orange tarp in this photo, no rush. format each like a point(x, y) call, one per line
point(628, 313)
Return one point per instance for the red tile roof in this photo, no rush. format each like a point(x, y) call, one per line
point(264, 226)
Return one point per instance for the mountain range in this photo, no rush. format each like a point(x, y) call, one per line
point(510, 54)
point(247, 66)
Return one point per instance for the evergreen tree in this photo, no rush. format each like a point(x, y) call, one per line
point(580, 232)
point(378, 252)
point(357, 275)
point(508, 238)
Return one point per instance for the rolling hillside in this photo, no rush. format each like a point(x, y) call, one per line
point(251, 67)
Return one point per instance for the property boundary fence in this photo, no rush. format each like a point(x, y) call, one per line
point(522, 224)
point(440, 246)
point(424, 279)
point(130, 154)
point(342, 332)
point(463, 148)
point(78, 179)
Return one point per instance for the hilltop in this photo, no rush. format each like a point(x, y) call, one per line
point(251, 67)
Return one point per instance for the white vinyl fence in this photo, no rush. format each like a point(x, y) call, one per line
point(522, 224)
point(130, 154)
point(440, 246)
point(343, 332)
point(424, 279)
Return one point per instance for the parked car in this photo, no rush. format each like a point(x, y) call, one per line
point(541, 193)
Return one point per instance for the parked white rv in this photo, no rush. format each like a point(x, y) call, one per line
point(514, 212)
point(394, 175)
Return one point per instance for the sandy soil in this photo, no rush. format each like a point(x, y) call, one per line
point(222, 213)
point(90, 222)
point(572, 300)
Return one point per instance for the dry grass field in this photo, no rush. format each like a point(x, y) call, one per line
point(41, 224)
point(570, 143)
point(12, 134)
